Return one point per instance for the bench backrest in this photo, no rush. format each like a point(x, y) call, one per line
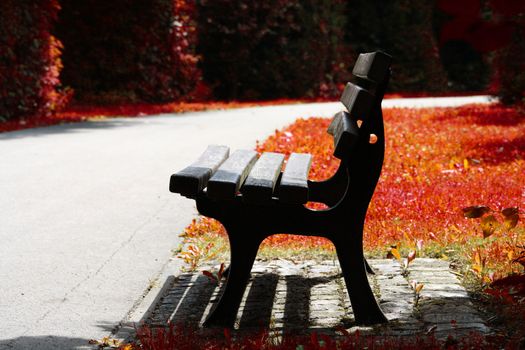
point(362, 101)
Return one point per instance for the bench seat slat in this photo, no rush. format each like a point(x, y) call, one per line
point(372, 66)
point(293, 188)
point(357, 101)
point(192, 179)
point(227, 180)
point(345, 136)
point(259, 186)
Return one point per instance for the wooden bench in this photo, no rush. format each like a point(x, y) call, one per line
point(254, 199)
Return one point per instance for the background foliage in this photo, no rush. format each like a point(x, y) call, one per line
point(128, 49)
point(270, 49)
point(29, 58)
point(404, 30)
point(154, 51)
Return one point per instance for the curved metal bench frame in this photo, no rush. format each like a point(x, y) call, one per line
point(347, 193)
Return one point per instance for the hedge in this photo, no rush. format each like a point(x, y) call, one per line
point(30, 58)
point(271, 49)
point(404, 29)
point(495, 28)
point(129, 49)
point(510, 60)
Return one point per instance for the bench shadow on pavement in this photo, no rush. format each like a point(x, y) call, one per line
point(78, 127)
point(188, 298)
point(295, 303)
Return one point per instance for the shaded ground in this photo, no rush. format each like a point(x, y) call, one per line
point(308, 296)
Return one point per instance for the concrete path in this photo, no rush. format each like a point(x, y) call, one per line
point(86, 219)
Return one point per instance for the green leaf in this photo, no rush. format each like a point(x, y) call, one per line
point(488, 225)
point(475, 211)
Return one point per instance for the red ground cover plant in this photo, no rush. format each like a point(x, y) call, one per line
point(437, 162)
point(181, 337)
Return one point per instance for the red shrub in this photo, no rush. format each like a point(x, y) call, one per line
point(510, 65)
point(29, 58)
point(128, 49)
point(270, 49)
point(402, 28)
point(492, 26)
point(167, 63)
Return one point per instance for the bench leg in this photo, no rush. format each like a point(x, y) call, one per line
point(365, 307)
point(243, 254)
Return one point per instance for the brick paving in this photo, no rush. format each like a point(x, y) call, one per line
point(311, 296)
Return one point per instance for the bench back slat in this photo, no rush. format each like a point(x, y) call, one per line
point(227, 180)
point(293, 188)
point(357, 101)
point(260, 183)
point(334, 124)
point(372, 66)
point(192, 179)
point(345, 135)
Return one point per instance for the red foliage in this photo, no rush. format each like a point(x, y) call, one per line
point(508, 7)
point(504, 31)
point(437, 162)
point(30, 59)
point(468, 25)
point(126, 50)
point(181, 338)
point(404, 30)
point(465, 8)
point(509, 288)
point(169, 72)
point(270, 49)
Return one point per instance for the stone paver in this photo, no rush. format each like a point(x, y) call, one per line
point(311, 296)
point(444, 305)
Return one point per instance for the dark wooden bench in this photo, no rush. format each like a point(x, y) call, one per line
point(253, 198)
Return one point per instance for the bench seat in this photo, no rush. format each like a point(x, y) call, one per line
point(243, 173)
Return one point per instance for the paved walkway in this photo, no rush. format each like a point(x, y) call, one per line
point(311, 296)
point(86, 220)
